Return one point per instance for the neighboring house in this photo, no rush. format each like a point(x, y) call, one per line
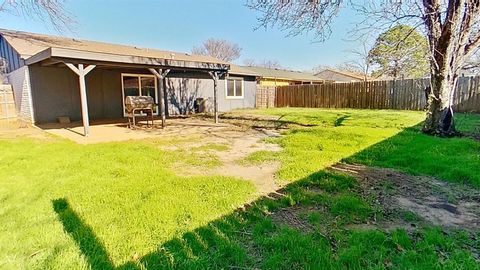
point(339, 76)
point(282, 77)
point(47, 73)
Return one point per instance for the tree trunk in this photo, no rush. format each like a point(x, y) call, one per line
point(440, 120)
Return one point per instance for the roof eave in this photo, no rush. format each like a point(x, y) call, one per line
point(53, 52)
point(293, 79)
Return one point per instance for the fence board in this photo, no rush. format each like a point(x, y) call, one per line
point(401, 94)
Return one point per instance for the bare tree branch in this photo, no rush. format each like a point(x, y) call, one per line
point(52, 10)
point(297, 16)
point(219, 48)
point(451, 26)
point(273, 64)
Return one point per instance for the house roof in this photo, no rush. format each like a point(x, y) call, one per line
point(241, 70)
point(345, 73)
point(35, 47)
point(283, 74)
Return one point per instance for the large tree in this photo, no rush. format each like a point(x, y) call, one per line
point(400, 52)
point(451, 27)
point(45, 10)
point(219, 48)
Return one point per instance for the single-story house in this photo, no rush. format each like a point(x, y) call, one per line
point(58, 76)
point(332, 75)
point(282, 77)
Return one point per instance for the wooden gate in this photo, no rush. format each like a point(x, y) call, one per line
point(265, 97)
point(7, 103)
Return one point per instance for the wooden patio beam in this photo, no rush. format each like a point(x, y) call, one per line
point(216, 75)
point(81, 56)
point(161, 74)
point(81, 71)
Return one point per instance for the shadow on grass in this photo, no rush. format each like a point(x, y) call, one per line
point(261, 122)
point(339, 121)
point(83, 235)
point(225, 243)
point(452, 159)
point(249, 239)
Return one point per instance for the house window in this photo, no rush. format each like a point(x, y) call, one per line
point(234, 88)
point(139, 85)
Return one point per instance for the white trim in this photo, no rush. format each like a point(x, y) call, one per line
point(29, 91)
point(139, 75)
point(235, 87)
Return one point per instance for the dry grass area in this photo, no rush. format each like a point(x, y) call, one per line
point(437, 202)
point(10, 129)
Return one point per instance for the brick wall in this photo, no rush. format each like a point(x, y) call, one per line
point(20, 81)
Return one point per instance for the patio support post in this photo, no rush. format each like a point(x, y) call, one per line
point(160, 74)
point(82, 71)
point(215, 76)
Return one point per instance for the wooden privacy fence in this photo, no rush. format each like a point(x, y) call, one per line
point(7, 103)
point(265, 97)
point(401, 95)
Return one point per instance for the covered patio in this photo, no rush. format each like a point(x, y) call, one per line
point(82, 63)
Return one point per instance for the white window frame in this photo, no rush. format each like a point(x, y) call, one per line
point(139, 76)
point(235, 87)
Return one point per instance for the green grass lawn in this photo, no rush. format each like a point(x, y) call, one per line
point(121, 205)
point(126, 193)
point(374, 137)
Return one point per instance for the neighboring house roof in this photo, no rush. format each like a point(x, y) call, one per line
point(29, 45)
point(240, 70)
point(326, 74)
point(282, 74)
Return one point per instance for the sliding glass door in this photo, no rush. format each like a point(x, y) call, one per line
point(139, 85)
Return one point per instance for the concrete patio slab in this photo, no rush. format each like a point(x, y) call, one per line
point(117, 130)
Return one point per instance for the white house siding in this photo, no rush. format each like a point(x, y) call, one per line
point(20, 81)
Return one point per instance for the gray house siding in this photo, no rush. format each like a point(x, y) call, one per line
point(55, 92)
point(184, 88)
point(13, 59)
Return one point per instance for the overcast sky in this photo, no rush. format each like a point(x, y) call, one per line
point(178, 25)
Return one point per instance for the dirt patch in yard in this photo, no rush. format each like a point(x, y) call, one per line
point(11, 129)
point(239, 144)
point(444, 204)
point(475, 136)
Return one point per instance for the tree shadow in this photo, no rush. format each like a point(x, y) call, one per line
point(83, 235)
point(218, 242)
point(339, 121)
point(182, 94)
point(227, 242)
